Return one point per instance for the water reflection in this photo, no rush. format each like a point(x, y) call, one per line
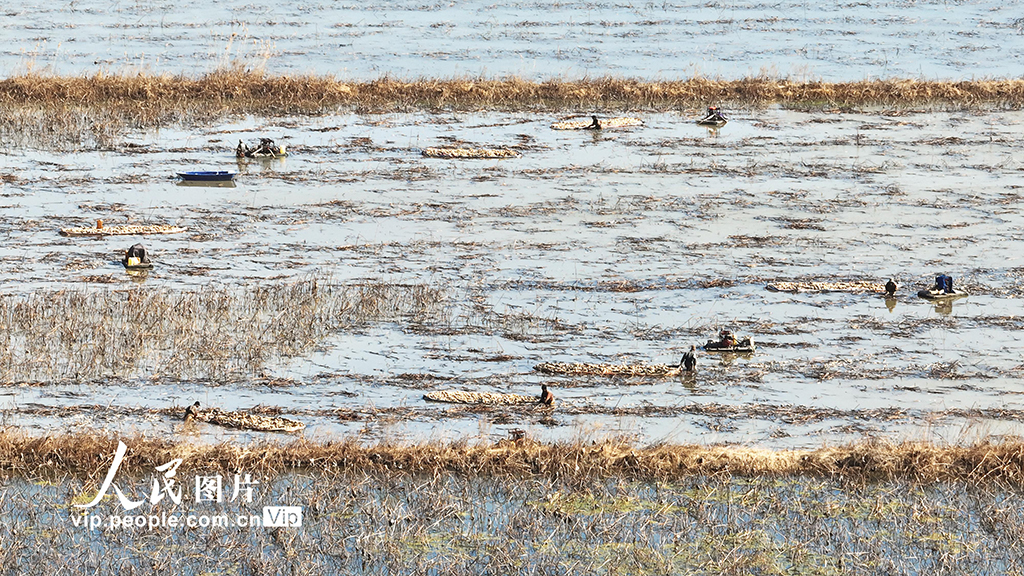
point(890, 303)
point(727, 358)
point(944, 306)
point(137, 276)
point(689, 381)
point(265, 163)
point(207, 184)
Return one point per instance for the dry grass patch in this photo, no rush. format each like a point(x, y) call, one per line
point(88, 455)
point(74, 111)
point(152, 96)
point(211, 332)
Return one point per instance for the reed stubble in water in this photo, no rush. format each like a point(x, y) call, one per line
point(526, 507)
point(211, 333)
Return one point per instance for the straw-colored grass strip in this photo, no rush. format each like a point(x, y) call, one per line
point(157, 97)
point(89, 456)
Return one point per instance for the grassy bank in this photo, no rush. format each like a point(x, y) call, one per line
point(88, 456)
point(148, 98)
point(82, 112)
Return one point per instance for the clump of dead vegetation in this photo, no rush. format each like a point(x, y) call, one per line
point(82, 456)
point(211, 332)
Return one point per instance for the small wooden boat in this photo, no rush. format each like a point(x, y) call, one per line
point(712, 122)
point(207, 175)
point(136, 266)
point(713, 119)
point(742, 346)
point(933, 294)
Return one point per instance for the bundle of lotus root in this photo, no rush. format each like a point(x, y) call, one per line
point(460, 397)
point(583, 369)
point(128, 229)
point(854, 286)
point(471, 153)
point(246, 421)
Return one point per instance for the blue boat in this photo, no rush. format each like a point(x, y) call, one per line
point(207, 176)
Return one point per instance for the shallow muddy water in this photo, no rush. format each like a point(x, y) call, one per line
point(614, 246)
point(832, 41)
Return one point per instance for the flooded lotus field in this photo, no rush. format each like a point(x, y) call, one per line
point(333, 288)
point(339, 284)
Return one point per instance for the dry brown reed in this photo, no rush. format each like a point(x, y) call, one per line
point(88, 455)
point(211, 332)
point(150, 98)
point(73, 112)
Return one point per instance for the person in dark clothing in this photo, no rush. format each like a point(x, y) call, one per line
point(135, 256)
point(943, 284)
point(192, 412)
point(546, 397)
point(689, 360)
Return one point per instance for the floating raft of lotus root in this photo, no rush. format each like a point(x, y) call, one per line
point(471, 153)
point(126, 230)
point(622, 122)
point(859, 286)
point(932, 294)
point(742, 346)
point(246, 421)
point(460, 397)
point(583, 369)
